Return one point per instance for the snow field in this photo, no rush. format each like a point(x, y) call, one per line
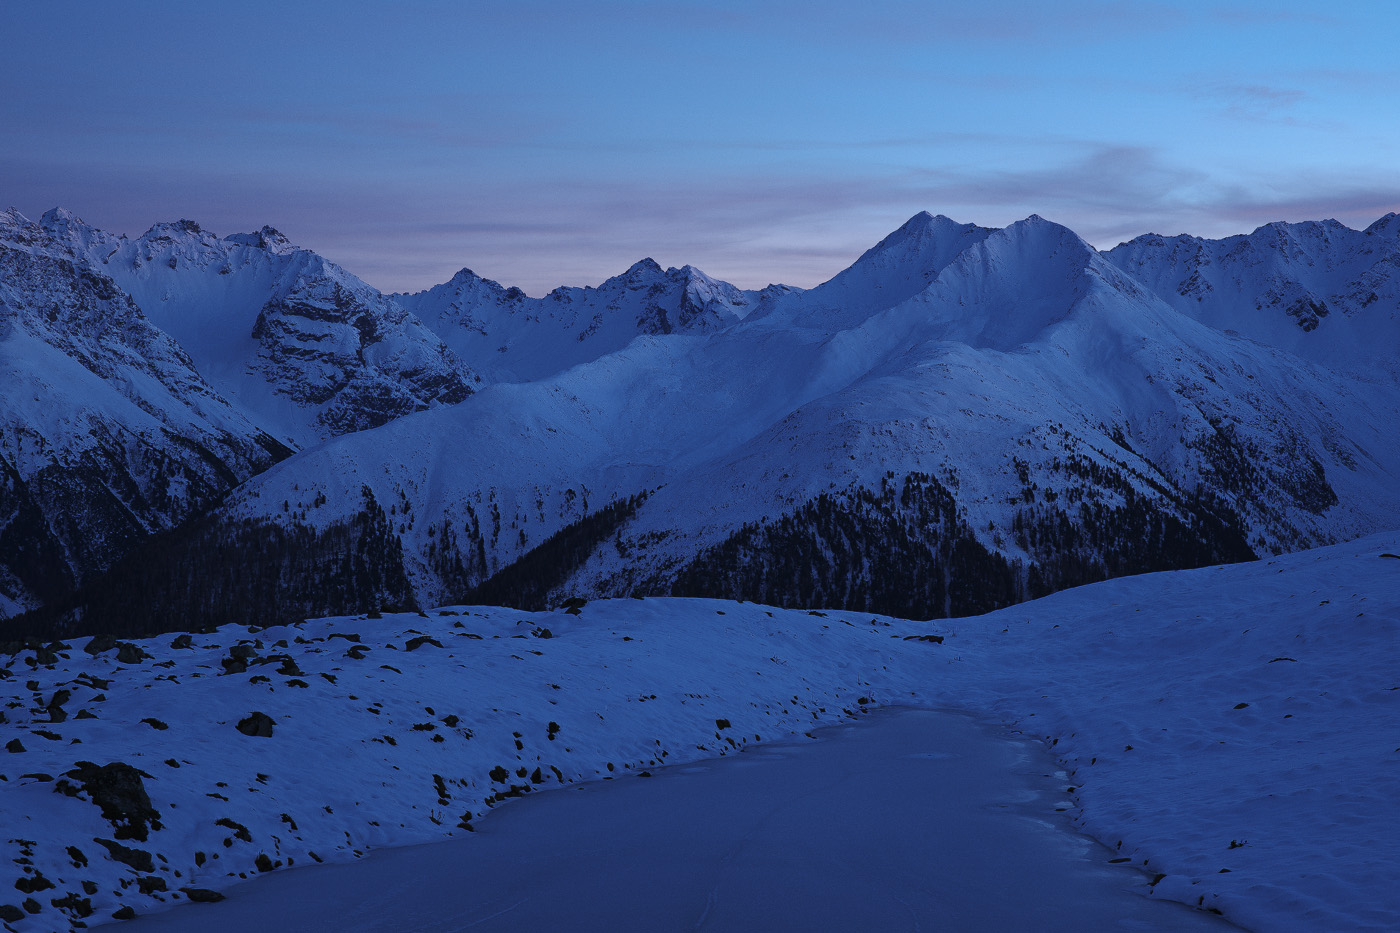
point(1235, 727)
point(1240, 718)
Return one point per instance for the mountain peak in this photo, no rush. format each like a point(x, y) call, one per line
point(10, 217)
point(1282, 229)
point(60, 215)
point(920, 233)
point(897, 268)
point(638, 274)
point(919, 221)
point(17, 228)
point(1389, 225)
point(919, 227)
point(1012, 287)
point(1044, 233)
point(68, 226)
point(647, 265)
point(268, 238)
point(468, 281)
point(690, 276)
point(173, 230)
point(68, 232)
point(1036, 222)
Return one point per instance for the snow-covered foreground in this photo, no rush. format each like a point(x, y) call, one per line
point(958, 832)
point(1233, 729)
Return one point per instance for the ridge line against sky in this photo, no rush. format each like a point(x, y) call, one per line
point(545, 144)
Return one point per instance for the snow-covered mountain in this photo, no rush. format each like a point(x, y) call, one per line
point(306, 349)
point(508, 336)
point(1318, 289)
point(107, 431)
point(897, 268)
point(1017, 414)
point(963, 419)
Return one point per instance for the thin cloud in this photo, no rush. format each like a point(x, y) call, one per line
point(790, 223)
point(755, 230)
point(1253, 102)
point(1354, 206)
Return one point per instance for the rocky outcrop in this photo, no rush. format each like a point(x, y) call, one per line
point(107, 431)
point(303, 347)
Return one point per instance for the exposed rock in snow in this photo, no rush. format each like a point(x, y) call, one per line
point(109, 433)
point(509, 337)
point(1282, 283)
point(302, 346)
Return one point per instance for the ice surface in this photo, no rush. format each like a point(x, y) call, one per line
point(909, 820)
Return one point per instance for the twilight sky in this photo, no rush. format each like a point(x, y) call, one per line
point(545, 143)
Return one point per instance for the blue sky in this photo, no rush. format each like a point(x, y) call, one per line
point(547, 143)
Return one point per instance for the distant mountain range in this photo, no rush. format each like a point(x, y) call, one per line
point(964, 418)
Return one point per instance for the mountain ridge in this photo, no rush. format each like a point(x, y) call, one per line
point(1008, 406)
point(510, 336)
point(302, 345)
point(110, 433)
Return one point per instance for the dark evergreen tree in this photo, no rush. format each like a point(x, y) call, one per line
point(902, 550)
point(528, 582)
point(211, 573)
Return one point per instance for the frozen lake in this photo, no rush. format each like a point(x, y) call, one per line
point(906, 820)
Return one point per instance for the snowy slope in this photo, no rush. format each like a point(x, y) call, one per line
point(1318, 289)
point(1033, 413)
point(1231, 730)
point(109, 433)
point(508, 336)
point(303, 346)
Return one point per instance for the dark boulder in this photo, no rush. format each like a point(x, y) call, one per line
point(127, 653)
point(73, 904)
point(29, 884)
point(138, 859)
point(150, 884)
point(202, 895)
point(116, 788)
point(257, 724)
point(55, 707)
